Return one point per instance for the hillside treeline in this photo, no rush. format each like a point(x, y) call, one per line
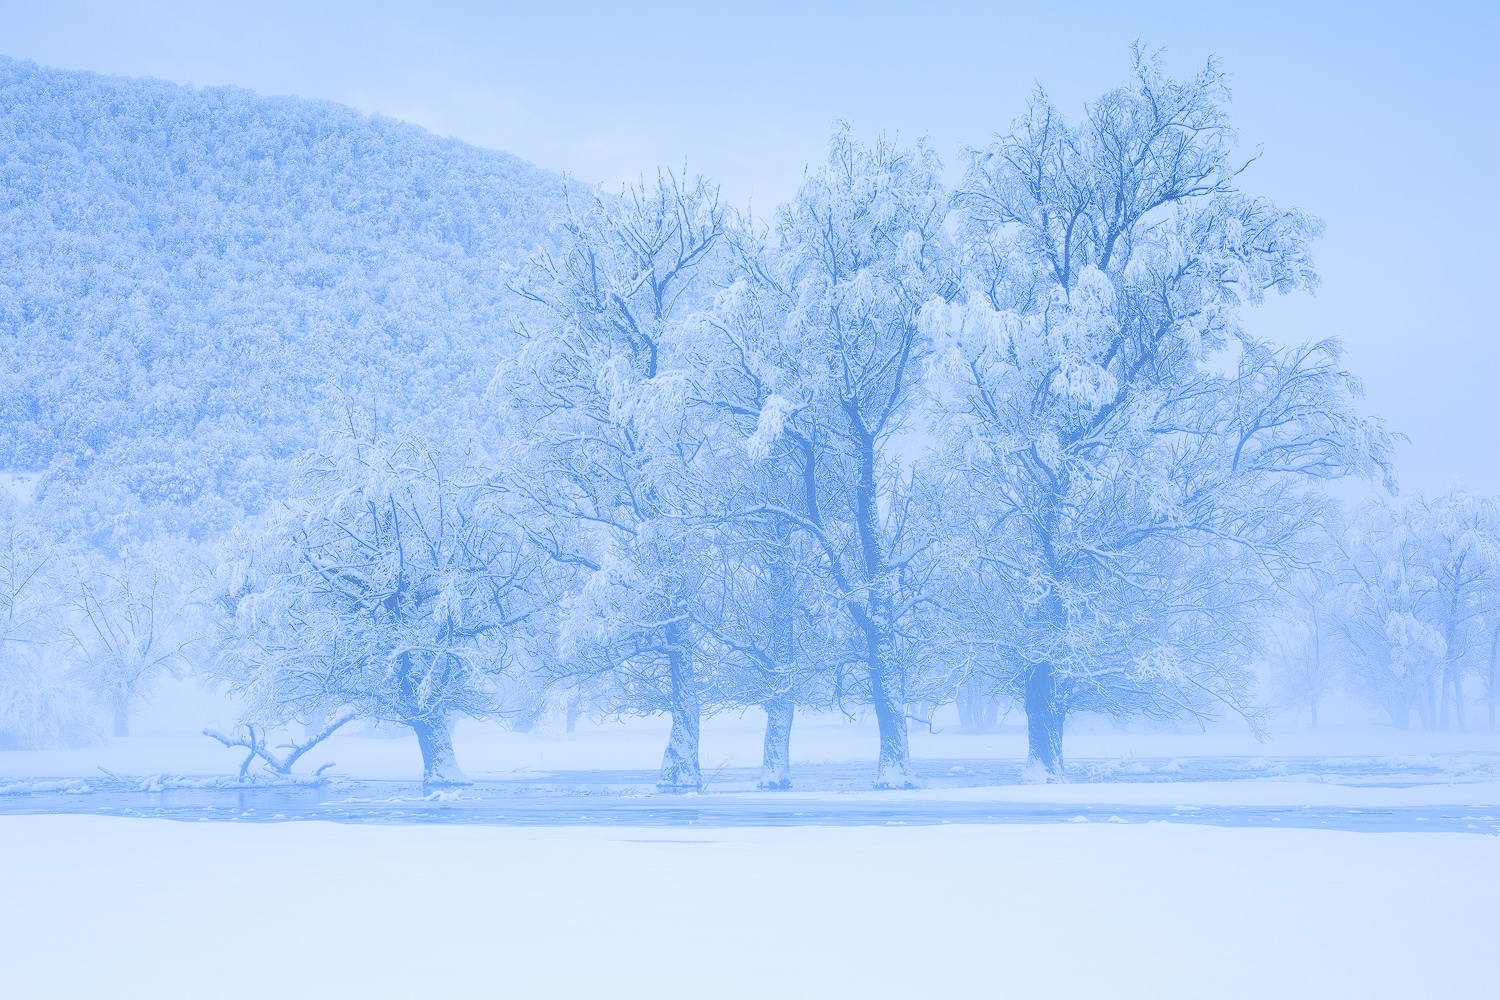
point(192, 280)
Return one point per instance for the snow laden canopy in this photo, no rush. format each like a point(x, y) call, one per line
point(904, 437)
point(1128, 502)
point(383, 589)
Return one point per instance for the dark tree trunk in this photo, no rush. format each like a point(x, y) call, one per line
point(781, 706)
point(894, 767)
point(573, 711)
point(1044, 721)
point(776, 760)
point(435, 740)
point(874, 615)
point(1045, 710)
point(893, 770)
point(680, 771)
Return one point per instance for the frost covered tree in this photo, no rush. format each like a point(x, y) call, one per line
point(773, 623)
point(1416, 599)
point(599, 406)
point(41, 704)
point(1492, 673)
point(819, 359)
point(763, 611)
point(1303, 644)
point(1463, 533)
point(1384, 604)
point(379, 590)
point(134, 620)
point(1131, 495)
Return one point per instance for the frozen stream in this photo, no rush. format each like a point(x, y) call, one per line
point(829, 794)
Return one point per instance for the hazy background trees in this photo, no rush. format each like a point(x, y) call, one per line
point(1415, 602)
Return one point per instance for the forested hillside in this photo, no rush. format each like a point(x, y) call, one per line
point(189, 276)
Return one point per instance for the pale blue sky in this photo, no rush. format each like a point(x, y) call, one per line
point(1380, 118)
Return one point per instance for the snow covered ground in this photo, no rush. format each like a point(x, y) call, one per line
point(108, 907)
point(1173, 864)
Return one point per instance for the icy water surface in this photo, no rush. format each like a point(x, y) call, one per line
point(628, 798)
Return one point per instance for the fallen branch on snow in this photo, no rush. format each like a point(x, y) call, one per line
point(255, 742)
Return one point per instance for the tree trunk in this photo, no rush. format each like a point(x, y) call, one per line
point(776, 760)
point(964, 700)
point(1489, 691)
point(1458, 699)
point(1044, 722)
point(1045, 711)
point(990, 699)
point(893, 770)
point(1444, 685)
point(781, 706)
point(874, 617)
point(679, 764)
point(1450, 653)
point(573, 712)
point(894, 767)
point(439, 767)
point(1317, 672)
point(122, 718)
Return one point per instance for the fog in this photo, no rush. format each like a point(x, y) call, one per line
point(774, 429)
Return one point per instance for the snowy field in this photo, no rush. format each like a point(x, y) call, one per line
point(144, 908)
point(1347, 862)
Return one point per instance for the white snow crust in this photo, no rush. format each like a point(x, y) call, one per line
point(99, 906)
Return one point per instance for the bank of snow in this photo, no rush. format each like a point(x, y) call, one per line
point(98, 906)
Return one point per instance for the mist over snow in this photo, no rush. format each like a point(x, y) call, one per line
point(983, 554)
